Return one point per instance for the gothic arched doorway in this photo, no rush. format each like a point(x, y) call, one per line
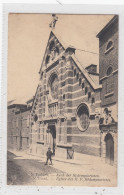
point(109, 149)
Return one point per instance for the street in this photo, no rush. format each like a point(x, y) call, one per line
point(23, 169)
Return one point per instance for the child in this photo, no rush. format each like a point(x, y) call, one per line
point(49, 156)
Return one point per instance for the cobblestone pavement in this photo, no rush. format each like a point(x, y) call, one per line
point(26, 169)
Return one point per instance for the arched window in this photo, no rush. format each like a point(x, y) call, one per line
point(54, 83)
point(89, 95)
point(74, 72)
point(93, 100)
point(77, 75)
point(63, 58)
point(109, 71)
point(109, 81)
point(52, 44)
point(83, 117)
point(35, 117)
point(79, 81)
point(86, 90)
point(63, 96)
point(82, 85)
point(47, 59)
point(54, 52)
point(57, 50)
point(109, 46)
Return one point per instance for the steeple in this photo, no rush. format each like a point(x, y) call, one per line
point(54, 20)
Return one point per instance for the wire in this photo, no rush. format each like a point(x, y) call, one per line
point(87, 51)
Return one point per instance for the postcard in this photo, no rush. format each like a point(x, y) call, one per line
point(62, 100)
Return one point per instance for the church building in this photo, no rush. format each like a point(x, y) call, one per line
point(65, 110)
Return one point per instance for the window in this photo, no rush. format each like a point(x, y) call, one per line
point(109, 81)
point(109, 71)
point(79, 81)
point(47, 59)
point(89, 95)
point(35, 117)
point(63, 83)
point(54, 82)
point(57, 51)
point(74, 72)
point(83, 117)
point(82, 85)
point(93, 100)
point(77, 75)
point(109, 46)
point(63, 96)
point(86, 90)
point(52, 44)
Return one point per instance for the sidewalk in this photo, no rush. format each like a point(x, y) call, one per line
point(91, 166)
point(81, 159)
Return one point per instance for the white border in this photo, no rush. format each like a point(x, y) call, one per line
point(75, 9)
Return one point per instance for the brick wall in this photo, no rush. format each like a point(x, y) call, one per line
point(71, 93)
point(18, 129)
point(108, 59)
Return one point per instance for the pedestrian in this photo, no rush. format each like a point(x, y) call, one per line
point(49, 156)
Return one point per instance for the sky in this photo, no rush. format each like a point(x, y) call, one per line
point(27, 39)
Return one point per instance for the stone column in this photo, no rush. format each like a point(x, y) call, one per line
point(103, 146)
point(68, 97)
point(57, 126)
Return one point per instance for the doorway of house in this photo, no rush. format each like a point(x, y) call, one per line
point(53, 137)
point(109, 149)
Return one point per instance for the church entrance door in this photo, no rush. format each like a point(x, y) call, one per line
point(109, 149)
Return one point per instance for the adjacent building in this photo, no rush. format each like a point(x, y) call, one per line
point(18, 126)
point(108, 78)
point(13, 134)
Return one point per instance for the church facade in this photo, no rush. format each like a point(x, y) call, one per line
point(66, 105)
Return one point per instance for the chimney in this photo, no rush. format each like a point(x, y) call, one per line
point(92, 69)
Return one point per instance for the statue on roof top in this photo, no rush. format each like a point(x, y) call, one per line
point(54, 20)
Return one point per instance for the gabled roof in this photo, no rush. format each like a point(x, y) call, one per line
point(61, 42)
point(90, 79)
point(16, 103)
point(18, 100)
point(84, 58)
point(107, 26)
point(30, 100)
point(20, 106)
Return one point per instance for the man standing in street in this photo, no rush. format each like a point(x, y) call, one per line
point(49, 156)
